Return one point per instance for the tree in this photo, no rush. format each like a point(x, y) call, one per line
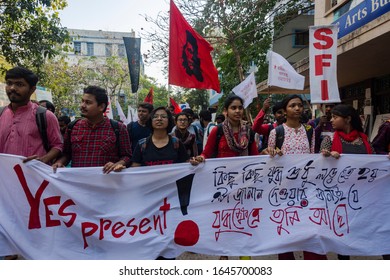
point(240, 31)
point(30, 31)
point(65, 82)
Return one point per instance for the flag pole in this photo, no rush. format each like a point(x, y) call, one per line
point(169, 90)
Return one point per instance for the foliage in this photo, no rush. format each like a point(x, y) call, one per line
point(240, 31)
point(30, 31)
point(67, 81)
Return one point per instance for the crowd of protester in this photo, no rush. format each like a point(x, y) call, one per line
point(159, 137)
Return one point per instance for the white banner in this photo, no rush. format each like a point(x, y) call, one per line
point(238, 206)
point(323, 64)
point(282, 74)
point(247, 89)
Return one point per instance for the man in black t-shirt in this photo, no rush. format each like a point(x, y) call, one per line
point(138, 129)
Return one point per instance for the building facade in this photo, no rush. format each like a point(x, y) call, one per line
point(98, 43)
point(363, 59)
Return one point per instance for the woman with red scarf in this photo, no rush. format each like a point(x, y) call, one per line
point(234, 141)
point(348, 137)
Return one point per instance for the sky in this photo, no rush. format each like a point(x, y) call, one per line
point(116, 15)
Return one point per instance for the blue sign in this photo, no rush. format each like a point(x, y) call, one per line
point(360, 15)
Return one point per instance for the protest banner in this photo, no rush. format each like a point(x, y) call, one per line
point(238, 206)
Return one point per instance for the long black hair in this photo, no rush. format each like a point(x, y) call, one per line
point(344, 110)
point(229, 100)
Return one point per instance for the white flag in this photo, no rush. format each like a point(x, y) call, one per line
point(323, 64)
point(282, 74)
point(184, 106)
point(132, 115)
point(247, 89)
point(120, 112)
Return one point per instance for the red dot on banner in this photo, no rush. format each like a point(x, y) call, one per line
point(187, 233)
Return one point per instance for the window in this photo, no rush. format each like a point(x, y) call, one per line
point(121, 50)
point(108, 49)
point(77, 47)
point(90, 49)
point(301, 38)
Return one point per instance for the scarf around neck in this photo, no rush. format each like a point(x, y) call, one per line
point(241, 144)
point(349, 137)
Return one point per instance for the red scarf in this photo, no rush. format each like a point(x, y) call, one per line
point(350, 137)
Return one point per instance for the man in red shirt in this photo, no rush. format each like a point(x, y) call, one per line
point(19, 131)
point(92, 141)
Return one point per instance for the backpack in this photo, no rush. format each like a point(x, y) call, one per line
point(40, 118)
point(114, 125)
point(279, 133)
point(264, 144)
point(198, 139)
point(130, 128)
point(142, 143)
point(220, 133)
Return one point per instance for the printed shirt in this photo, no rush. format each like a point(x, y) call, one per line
point(295, 141)
point(91, 146)
point(19, 134)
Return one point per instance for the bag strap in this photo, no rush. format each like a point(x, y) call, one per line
point(115, 126)
point(279, 133)
point(40, 118)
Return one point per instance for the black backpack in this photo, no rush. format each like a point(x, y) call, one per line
point(40, 118)
point(279, 133)
point(220, 133)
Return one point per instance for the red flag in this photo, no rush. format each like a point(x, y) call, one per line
point(175, 105)
point(190, 62)
point(149, 97)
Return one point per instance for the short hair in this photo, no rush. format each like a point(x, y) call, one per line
point(189, 112)
point(24, 73)
point(205, 115)
point(289, 98)
point(230, 98)
point(99, 93)
point(64, 119)
point(171, 123)
point(146, 105)
point(50, 106)
point(277, 106)
point(220, 117)
point(344, 110)
point(181, 114)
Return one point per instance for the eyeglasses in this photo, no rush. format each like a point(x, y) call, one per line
point(155, 117)
point(182, 120)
